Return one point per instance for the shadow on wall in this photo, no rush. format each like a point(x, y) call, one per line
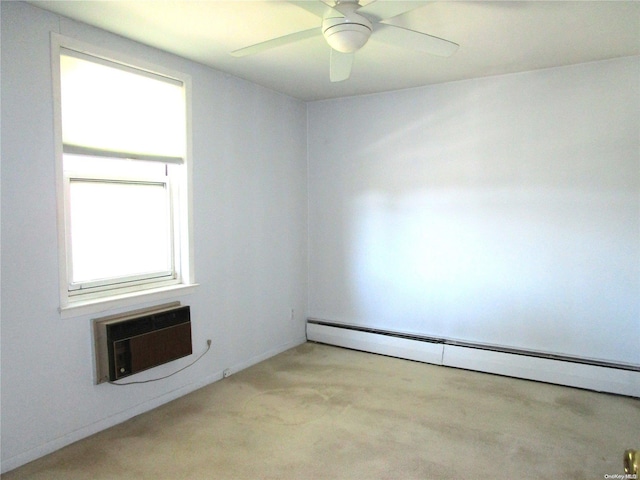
point(501, 210)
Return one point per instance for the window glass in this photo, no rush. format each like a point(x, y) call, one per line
point(118, 229)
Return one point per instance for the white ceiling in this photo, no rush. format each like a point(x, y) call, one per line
point(495, 37)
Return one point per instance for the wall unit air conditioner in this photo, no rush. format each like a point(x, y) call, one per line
point(135, 341)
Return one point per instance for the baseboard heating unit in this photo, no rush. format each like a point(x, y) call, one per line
point(590, 374)
point(135, 341)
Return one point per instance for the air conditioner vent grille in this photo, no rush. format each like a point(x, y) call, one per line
point(136, 341)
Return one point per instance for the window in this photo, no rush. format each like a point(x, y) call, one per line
point(124, 177)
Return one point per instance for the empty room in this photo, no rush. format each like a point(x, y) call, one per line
point(324, 240)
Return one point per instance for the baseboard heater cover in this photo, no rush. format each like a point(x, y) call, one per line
point(132, 342)
point(598, 375)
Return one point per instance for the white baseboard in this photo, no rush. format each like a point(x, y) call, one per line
point(91, 429)
point(88, 430)
point(264, 356)
point(571, 374)
point(550, 370)
point(371, 342)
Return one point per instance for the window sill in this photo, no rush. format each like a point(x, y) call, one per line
point(100, 305)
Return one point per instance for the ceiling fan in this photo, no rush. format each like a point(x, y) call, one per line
point(347, 26)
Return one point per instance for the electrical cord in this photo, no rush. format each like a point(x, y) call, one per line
point(166, 376)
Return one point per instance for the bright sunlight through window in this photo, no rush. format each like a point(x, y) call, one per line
point(119, 228)
point(124, 178)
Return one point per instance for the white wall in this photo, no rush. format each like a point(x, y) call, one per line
point(502, 210)
point(249, 157)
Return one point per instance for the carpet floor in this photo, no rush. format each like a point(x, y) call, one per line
point(322, 412)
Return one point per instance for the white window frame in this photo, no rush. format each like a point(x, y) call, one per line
point(72, 302)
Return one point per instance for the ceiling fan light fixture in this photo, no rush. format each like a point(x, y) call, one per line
point(346, 37)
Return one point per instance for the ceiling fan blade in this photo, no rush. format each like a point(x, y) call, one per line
point(276, 42)
point(405, 38)
point(318, 8)
point(378, 11)
point(340, 67)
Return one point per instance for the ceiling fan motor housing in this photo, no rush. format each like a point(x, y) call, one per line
point(349, 33)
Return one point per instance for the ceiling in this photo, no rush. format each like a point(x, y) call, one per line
point(495, 37)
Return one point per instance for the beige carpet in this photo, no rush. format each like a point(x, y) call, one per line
point(320, 412)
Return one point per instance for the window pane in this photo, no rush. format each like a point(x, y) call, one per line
point(118, 229)
point(112, 109)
